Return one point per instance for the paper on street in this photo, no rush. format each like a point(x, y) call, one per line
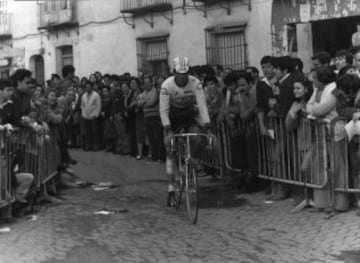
point(104, 212)
point(100, 188)
point(5, 229)
point(352, 128)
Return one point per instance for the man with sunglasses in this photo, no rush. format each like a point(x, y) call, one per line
point(182, 106)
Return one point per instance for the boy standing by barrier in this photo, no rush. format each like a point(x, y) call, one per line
point(21, 182)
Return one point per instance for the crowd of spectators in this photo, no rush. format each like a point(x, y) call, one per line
point(120, 113)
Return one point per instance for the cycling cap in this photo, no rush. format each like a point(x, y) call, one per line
point(181, 64)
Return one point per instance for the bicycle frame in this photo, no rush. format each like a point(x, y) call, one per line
point(190, 175)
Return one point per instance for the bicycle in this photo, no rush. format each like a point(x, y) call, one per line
point(186, 178)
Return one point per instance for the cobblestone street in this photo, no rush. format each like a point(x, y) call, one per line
point(149, 232)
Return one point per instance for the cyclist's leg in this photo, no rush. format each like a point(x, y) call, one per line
point(171, 200)
point(170, 172)
point(196, 142)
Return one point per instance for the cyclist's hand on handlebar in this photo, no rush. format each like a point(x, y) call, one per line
point(167, 139)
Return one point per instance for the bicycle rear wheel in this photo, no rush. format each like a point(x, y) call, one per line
point(192, 193)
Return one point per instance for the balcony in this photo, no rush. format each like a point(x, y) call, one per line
point(139, 7)
point(57, 15)
point(225, 4)
point(5, 26)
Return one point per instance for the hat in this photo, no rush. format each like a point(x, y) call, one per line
point(181, 64)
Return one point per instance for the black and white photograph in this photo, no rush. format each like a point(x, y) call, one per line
point(179, 131)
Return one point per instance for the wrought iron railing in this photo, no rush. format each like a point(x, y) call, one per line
point(132, 5)
point(56, 12)
point(5, 23)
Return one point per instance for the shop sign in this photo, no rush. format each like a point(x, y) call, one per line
point(296, 11)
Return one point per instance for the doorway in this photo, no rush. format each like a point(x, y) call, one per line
point(37, 66)
point(334, 34)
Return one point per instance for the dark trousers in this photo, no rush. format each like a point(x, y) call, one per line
point(73, 131)
point(63, 144)
point(155, 133)
point(131, 128)
point(91, 132)
point(101, 124)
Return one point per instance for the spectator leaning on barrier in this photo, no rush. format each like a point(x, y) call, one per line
point(230, 111)
point(7, 106)
point(284, 73)
point(21, 182)
point(348, 107)
point(298, 108)
point(90, 109)
point(22, 100)
point(213, 96)
point(293, 122)
point(265, 92)
point(230, 115)
point(322, 104)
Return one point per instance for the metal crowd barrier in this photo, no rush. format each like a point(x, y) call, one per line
point(341, 154)
point(38, 154)
point(239, 142)
point(5, 179)
point(299, 157)
point(213, 158)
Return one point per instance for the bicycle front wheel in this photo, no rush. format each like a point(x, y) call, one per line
point(192, 193)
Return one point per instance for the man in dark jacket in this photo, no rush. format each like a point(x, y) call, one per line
point(21, 96)
point(68, 73)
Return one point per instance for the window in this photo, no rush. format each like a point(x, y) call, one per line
point(64, 56)
point(55, 5)
point(226, 46)
point(67, 55)
point(152, 55)
point(3, 5)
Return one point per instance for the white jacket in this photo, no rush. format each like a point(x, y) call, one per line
point(90, 105)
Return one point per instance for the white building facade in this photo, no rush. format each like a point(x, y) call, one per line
point(135, 36)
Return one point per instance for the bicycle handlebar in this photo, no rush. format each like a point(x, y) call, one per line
point(186, 135)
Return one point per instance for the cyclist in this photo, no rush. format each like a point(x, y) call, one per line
point(182, 107)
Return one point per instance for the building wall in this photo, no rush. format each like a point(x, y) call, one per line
point(187, 34)
point(110, 46)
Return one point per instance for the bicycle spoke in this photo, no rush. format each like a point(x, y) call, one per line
point(192, 193)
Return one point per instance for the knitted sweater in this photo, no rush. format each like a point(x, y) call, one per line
point(151, 103)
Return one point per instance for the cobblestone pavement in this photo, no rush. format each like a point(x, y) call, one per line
point(252, 232)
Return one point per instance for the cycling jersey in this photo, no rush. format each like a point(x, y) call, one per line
point(183, 104)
